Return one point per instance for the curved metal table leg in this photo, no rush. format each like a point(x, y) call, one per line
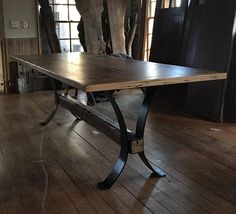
point(158, 172)
point(51, 115)
point(76, 93)
point(54, 110)
point(124, 151)
point(145, 107)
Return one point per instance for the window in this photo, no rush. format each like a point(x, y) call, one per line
point(66, 20)
point(149, 27)
point(170, 4)
point(175, 3)
point(151, 7)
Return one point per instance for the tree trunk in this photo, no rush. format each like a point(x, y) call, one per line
point(47, 18)
point(116, 13)
point(90, 11)
point(131, 34)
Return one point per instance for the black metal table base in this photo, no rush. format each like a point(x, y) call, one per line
point(51, 115)
point(131, 143)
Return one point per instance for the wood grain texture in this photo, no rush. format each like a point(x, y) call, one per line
point(21, 46)
point(101, 72)
point(17, 46)
point(200, 163)
point(90, 11)
point(116, 13)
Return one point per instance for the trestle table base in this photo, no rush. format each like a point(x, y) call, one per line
point(131, 143)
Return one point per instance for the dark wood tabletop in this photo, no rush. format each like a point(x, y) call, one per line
point(101, 72)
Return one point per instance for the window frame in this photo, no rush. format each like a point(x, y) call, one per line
point(68, 21)
point(150, 16)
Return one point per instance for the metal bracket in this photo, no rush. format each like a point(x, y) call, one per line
point(136, 146)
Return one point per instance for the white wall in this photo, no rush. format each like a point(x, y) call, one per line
point(20, 10)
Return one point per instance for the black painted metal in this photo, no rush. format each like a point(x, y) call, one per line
point(92, 117)
point(56, 102)
point(143, 112)
point(125, 136)
point(157, 171)
point(140, 126)
point(76, 93)
point(54, 110)
point(124, 151)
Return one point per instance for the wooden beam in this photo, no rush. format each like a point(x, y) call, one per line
point(92, 117)
point(48, 22)
point(2, 31)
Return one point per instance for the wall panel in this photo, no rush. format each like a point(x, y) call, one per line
point(19, 46)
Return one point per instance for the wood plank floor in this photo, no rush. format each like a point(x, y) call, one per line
point(67, 158)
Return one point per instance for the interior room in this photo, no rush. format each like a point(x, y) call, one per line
point(113, 106)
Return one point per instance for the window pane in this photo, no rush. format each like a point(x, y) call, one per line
point(145, 55)
point(76, 47)
point(166, 4)
point(60, 1)
point(150, 25)
point(74, 31)
point(176, 3)
point(149, 41)
point(60, 12)
point(71, 1)
point(66, 19)
point(173, 3)
point(65, 45)
point(153, 8)
point(74, 14)
point(62, 30)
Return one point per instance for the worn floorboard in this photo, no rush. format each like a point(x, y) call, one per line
point(67, 158)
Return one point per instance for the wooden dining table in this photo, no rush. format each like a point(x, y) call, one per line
point(95, 73)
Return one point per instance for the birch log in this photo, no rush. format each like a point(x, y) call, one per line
point(90, 11)
point(116, 13)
